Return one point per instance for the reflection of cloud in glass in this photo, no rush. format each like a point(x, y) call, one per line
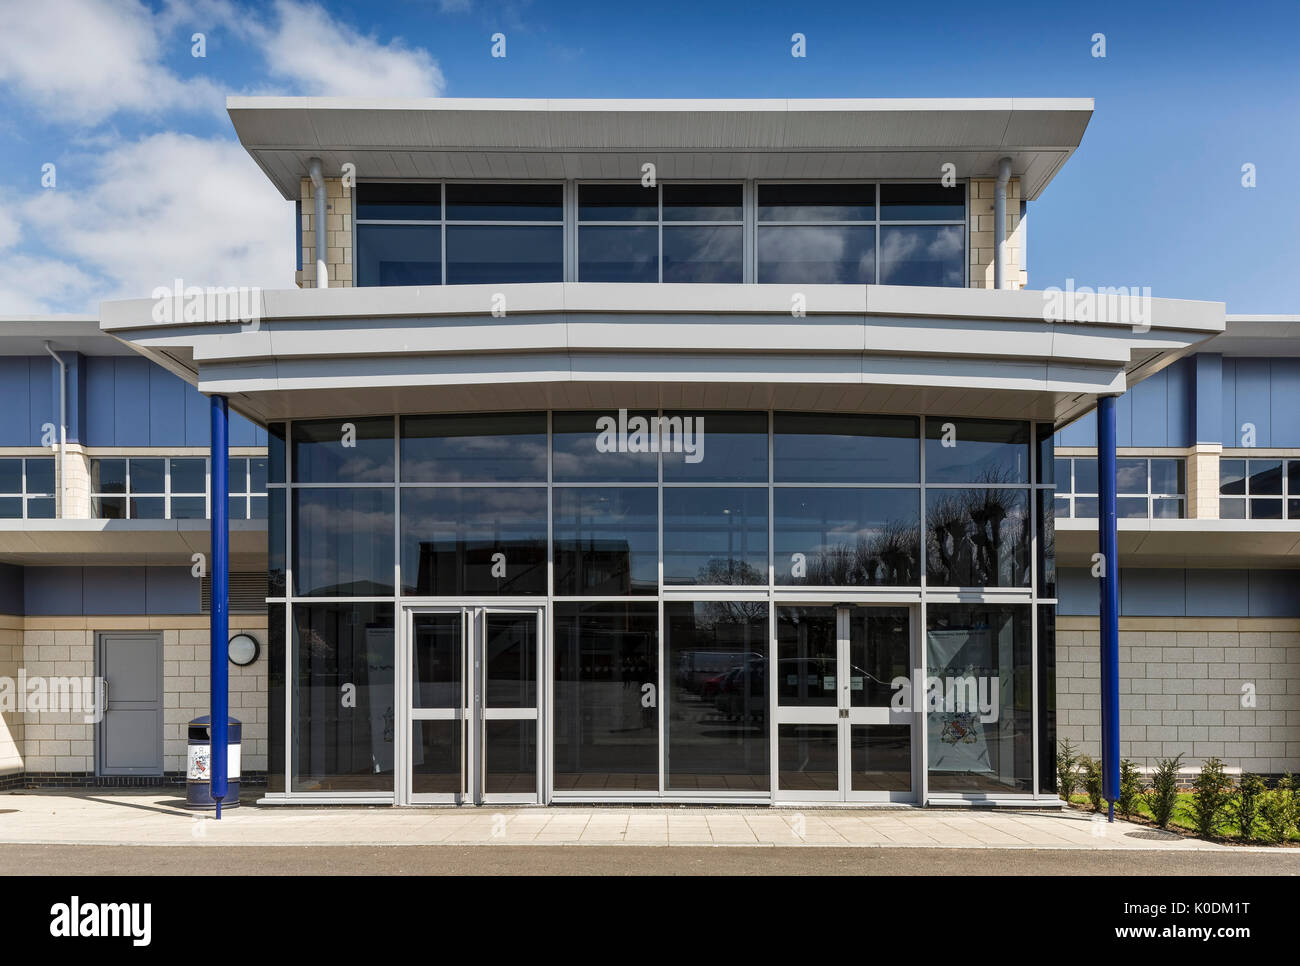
point(527, 457)
point(923, 254)
point(816, 255)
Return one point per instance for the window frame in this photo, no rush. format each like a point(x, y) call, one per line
point(1248, 498)
point(26, 494)
point(658, 224)
point(443, 221)
point(1070, 495)
point(878, 222)
point(749, 224)
point(168, 493)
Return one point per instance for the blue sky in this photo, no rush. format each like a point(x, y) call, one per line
point(150, 184)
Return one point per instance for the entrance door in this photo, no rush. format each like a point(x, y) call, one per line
point(131, 730)
point(837, 736)
point(475, 705)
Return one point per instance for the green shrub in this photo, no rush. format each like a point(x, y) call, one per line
point(1246, 804)
point(1211, 793)
point(1162, 796)
point(1092, 780)
point(1280, 810)
point(1067, 777)
point(1130, 787)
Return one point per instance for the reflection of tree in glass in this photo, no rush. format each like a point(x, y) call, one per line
point(968, 530)
point(886, 557)
point(725, 571)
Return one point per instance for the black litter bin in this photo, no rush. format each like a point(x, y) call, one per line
point(198, 776)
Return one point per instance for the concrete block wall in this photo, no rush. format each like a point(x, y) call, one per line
point(1203, 481)
point(11, 722)
point(982, 234)
point(63, 742)
point(74, 491)
point(338, 234)
point(1181, 690)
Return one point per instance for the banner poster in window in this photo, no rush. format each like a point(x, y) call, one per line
point(957, 738)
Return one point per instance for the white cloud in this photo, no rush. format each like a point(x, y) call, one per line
point(84, 60)
point(169, 206)
point(320, 56)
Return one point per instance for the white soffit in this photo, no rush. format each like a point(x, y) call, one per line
point(686, 139)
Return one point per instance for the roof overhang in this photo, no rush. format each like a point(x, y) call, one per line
point(876, 348)
point(102, 543)
point(394, 138)
point(1263, 544)
point(26, 335)
point(1260, 336)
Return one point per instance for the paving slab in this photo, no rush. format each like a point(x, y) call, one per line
point(145, 817)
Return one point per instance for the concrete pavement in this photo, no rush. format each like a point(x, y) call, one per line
point(152, 817)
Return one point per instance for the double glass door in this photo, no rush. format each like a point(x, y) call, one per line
point(475, 698)
point(839, 736)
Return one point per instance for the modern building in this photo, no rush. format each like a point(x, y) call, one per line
point(690, 451)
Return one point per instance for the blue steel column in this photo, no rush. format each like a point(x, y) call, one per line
point(1109, 545)
point(220, 500)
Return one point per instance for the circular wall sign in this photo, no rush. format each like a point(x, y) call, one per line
point(243, 650)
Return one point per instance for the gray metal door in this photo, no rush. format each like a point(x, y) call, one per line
point(131, 732)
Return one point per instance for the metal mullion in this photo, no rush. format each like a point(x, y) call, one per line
point(442, 228)
point(875, 265)
point(659, 223)
point(659, 592)
point(290, 650)
point(1034, 550)
point(493, 223)
point(921, 717)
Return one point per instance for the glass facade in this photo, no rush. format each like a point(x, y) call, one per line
point(726, 605)
point(803, 233)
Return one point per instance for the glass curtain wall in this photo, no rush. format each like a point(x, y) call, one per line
point(663, 544)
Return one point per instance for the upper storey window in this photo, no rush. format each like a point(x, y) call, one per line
point(856, 234)
point(668, 233)
point(459, 234)
point(801, 233)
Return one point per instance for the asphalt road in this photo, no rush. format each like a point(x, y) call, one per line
point(623, 860)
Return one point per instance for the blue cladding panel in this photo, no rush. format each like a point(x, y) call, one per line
point(1076, 591)
point(131, 402)
point(166, 408)
point(196, 417)
point(52, 591)
point(172, 590)
point(1181, 400)
point(1230, 429)
point(1149, 411)
point(113, 590)
point(76, 395)
point(43, 385)
point(101, 376)
point(1190, 593)
point(1209, 398)
point(1123, 421)
point(1152, 593)
point(11, 590)
point(15, 407)
point(1275, 593)
point(1254, 402)
point(1081, 432)
point(1218, 593)
point(1285, 391)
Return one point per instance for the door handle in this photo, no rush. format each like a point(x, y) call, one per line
point(105, 681)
